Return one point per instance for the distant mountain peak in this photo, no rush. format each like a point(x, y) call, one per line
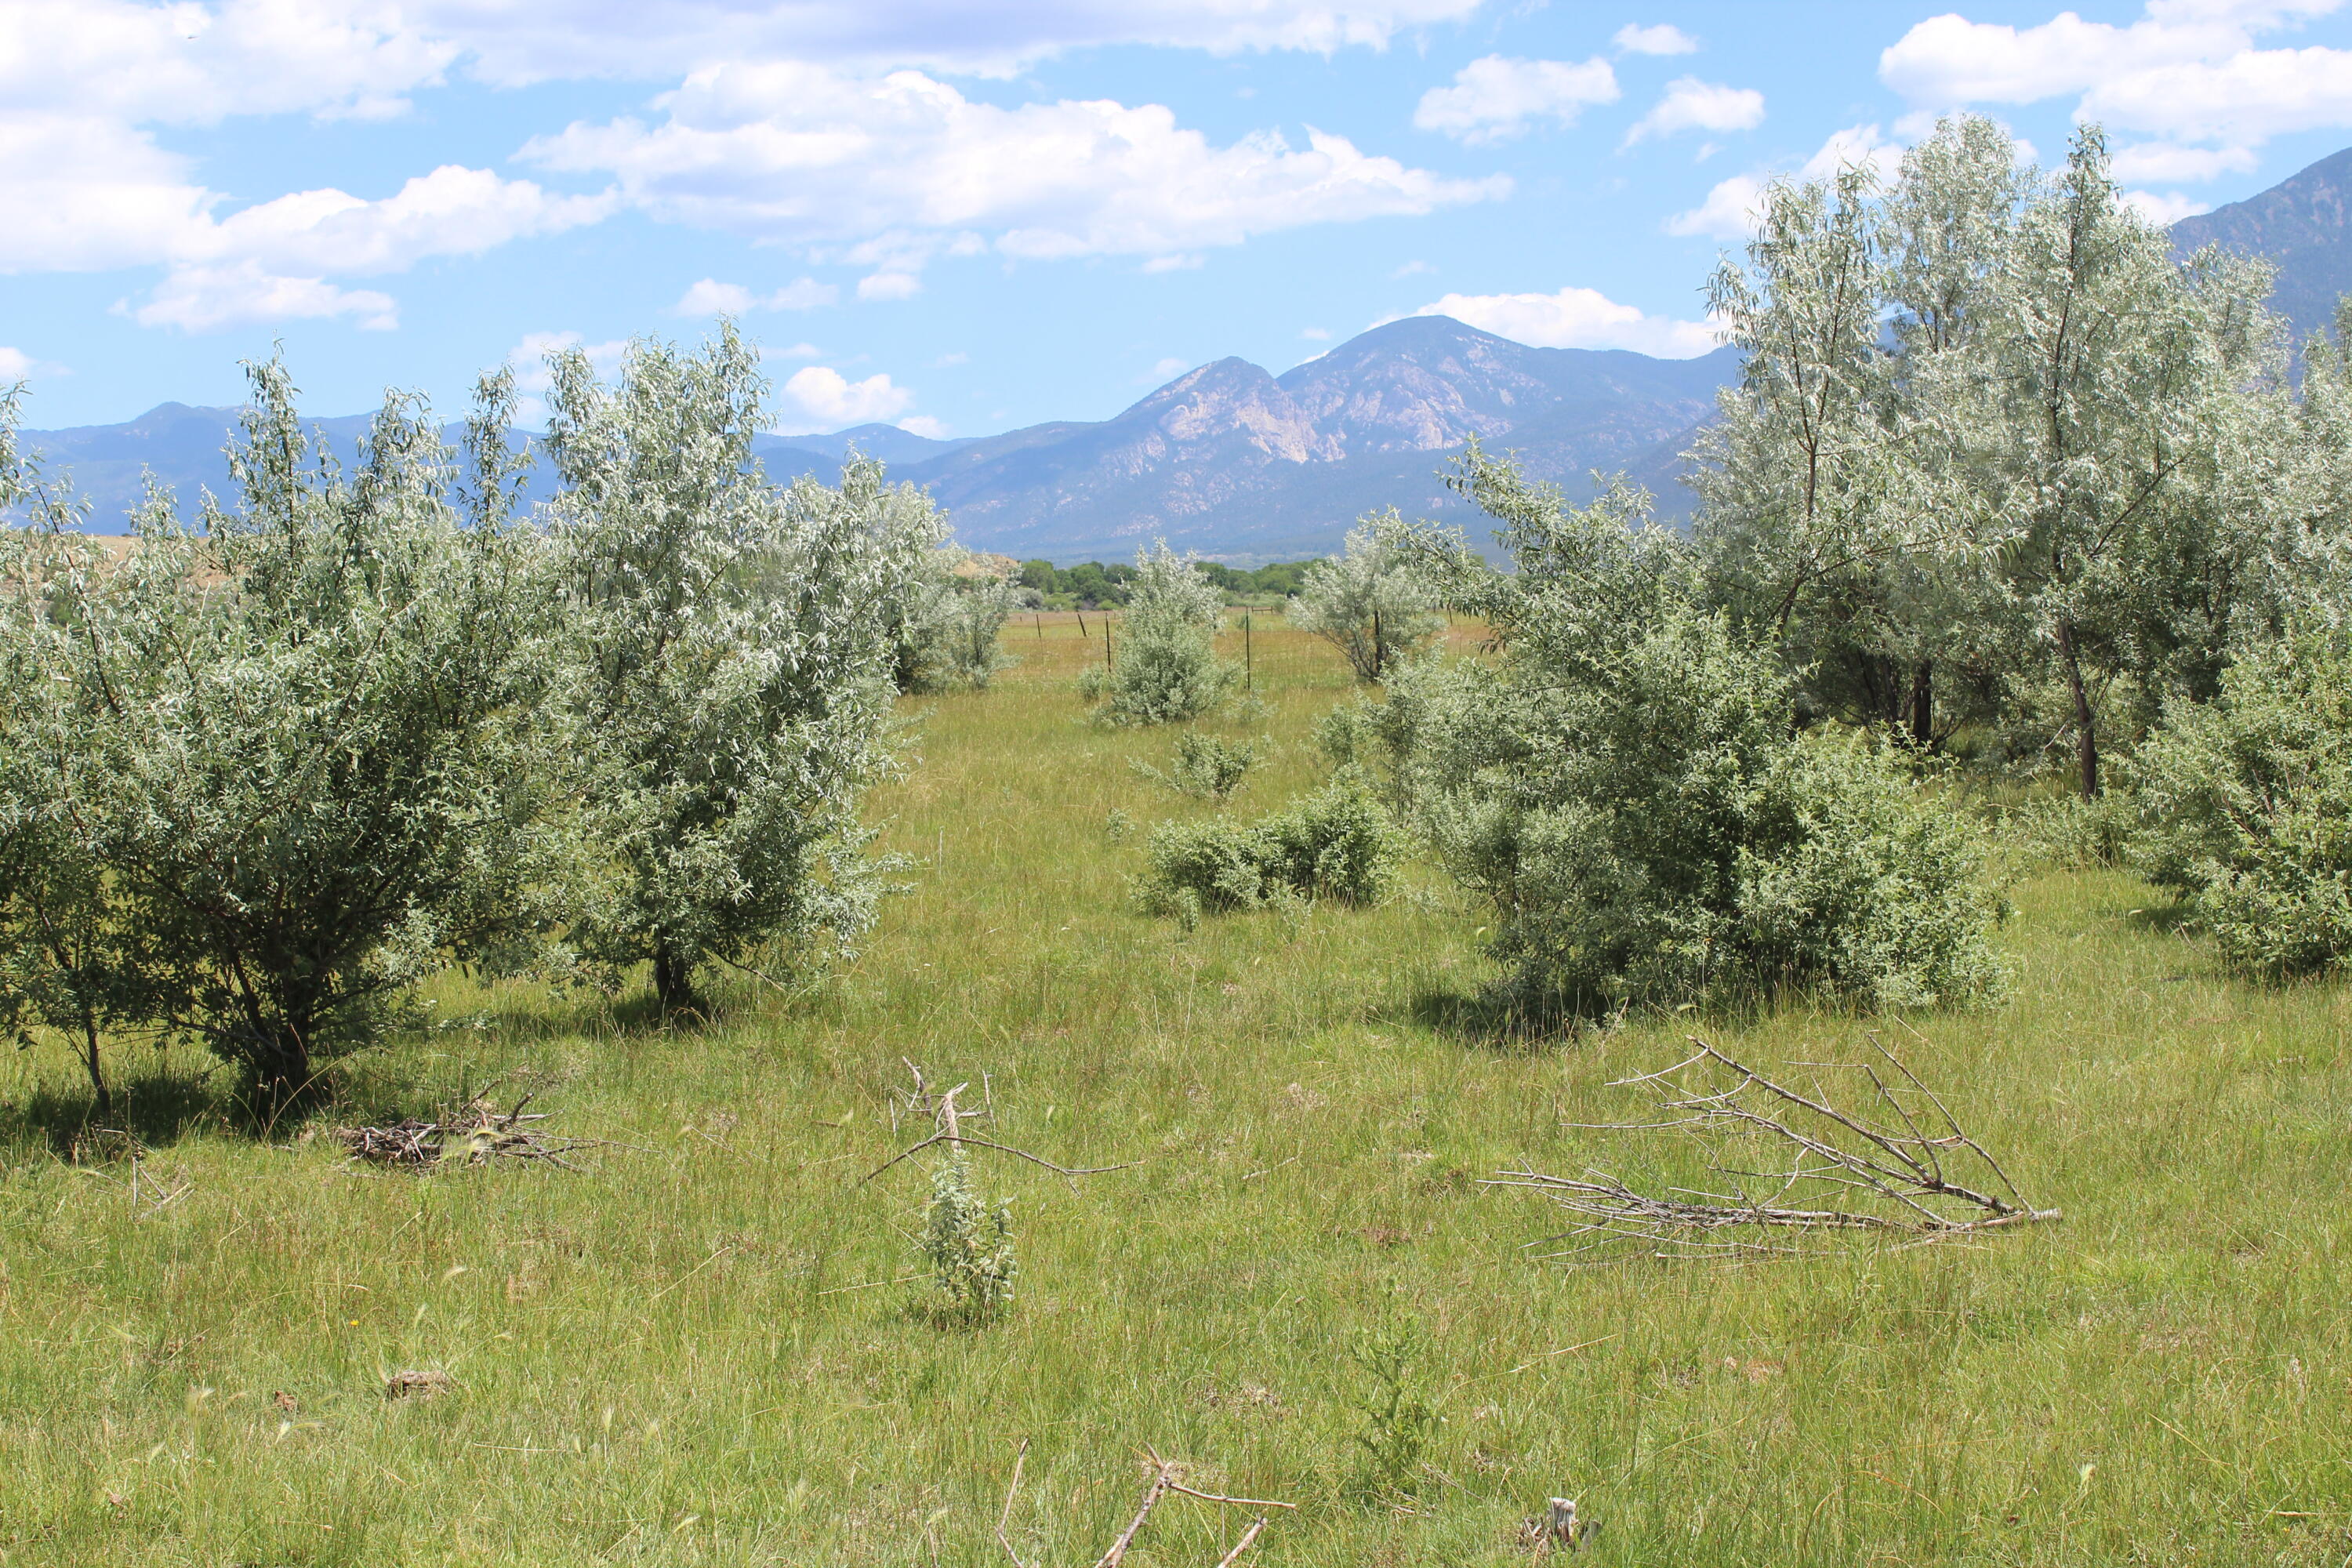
point(2303, 223)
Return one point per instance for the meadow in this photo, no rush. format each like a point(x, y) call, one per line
point(712, 1346)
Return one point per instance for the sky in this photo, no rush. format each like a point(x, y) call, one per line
point(962, 218)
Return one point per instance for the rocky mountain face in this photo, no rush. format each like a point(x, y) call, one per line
point(1232, 461)
point(2304, 225)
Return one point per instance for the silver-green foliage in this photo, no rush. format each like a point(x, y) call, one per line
point(1204, 765)
point(950, 639)
point(1371, 602)
point(273, 770)
point(1337, 843)
point(1998, 456)
point(968, 1243)
point(732, 652)
point(1624, 782)
point(2246, 805)
point(1164, 666)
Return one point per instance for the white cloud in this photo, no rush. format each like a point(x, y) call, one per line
point(16, 365)
point(924, 424)
point(1165, 368)
point(191, 63)
point(2164, 207)
point(1729, 212)
point(1178, 262)
point(86, 85)
point(890, 285)
point(272, 261)
point(243, 294)
point(1316, 334)
point(1690, 104)
point(823, 394)
point(798, 351)
point(709, 297)
point(2186, 70)
point(1576, 319)
point(1495, 98)
point(1730, 209)
point(1412, 269)
point(453, 211)
point(796, 153)
point(199, 62)
point(1665, 38)
point(514, 43)
point(2167, 160)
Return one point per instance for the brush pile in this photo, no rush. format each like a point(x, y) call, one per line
point(477, 1134)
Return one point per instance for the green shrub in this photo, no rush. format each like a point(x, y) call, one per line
point(968, 1243)
point(261, 776)
point(1334, 844)
point(730, 653)
point(1204, 766)
point(1625, 784)
point(1373, 602)
point(953, 621)
point(1164, 664)
point(2245, 807)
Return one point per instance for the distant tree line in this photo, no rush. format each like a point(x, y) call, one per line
point(1091, 584)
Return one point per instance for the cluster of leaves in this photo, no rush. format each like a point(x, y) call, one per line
point(1625, 782)
point(1164, 665)
point(1337, 844)
point(257, 777)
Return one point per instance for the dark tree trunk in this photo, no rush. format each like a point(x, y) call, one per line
point(97, 1077)
point(674, 981)
point(2086, 738)
point(1923, 705)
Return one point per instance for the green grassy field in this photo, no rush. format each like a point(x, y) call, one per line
point(707, 1352)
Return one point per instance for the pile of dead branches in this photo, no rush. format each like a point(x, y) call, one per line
point(1904, 1166)
point(478, 1133)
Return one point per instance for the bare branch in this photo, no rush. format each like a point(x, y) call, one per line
point(1885, 1155)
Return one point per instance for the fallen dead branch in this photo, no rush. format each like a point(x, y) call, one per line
point(477, 1134)
point(1166, 1478)
point(1900, 1169)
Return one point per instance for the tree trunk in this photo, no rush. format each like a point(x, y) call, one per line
point(1923, 705)
point(97, 1077)
point(2086, 739)
point(281, 1068)
point(674, 980)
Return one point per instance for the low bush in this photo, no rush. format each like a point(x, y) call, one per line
point(1164, 666)
point(953, 621)
point(2245, 808)
point(1204, 766)
point(1335, 844)
point(1625, 783)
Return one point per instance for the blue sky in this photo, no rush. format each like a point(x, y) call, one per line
point(965, 217)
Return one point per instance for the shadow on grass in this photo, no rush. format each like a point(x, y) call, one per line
point(1498, 1018)
point(155, 1109)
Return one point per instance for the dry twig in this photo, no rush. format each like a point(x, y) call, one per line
point(1907, 1160)
point(950, 1118)
point(1164, 1480)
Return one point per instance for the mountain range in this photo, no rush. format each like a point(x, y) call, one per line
point(1245, 466)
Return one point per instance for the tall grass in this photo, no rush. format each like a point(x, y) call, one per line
point(708, 1351)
